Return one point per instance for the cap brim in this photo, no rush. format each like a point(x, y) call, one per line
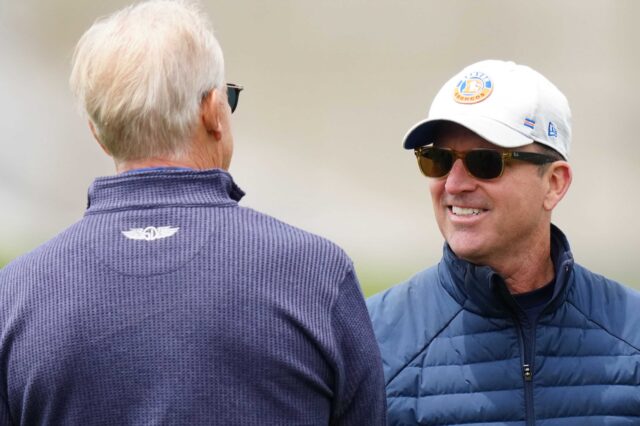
point(493, 131)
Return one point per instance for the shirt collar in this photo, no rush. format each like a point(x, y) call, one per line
point(164, 187)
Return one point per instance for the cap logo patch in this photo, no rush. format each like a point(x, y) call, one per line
point(529, 122)
point(473, 88)
point(553, 131)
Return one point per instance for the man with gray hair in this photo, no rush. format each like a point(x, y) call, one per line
point(168, 303)
point(507, 329)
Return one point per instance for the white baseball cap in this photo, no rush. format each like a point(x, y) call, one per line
point(509, 105)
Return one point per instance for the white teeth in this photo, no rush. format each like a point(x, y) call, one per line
point(461, 211)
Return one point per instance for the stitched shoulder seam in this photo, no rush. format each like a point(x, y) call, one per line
point(602, 327)
point(424, 347)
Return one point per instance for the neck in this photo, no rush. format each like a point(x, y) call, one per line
point(200, 157)
point(529, 270)
point(125, 166)
point(529, 277)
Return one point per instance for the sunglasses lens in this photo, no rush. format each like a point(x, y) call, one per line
point(481, 163)
point(233, 93)
point(435, 162)
point(484, 163)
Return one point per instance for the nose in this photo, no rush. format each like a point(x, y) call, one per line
point(458, 180)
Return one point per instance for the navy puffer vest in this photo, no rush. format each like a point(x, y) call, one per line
point(457, 349)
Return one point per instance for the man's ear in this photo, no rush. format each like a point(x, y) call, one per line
point(558, 176)
point(209, 113)
point(94, 132)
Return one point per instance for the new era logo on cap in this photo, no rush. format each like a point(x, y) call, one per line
point(509, 105)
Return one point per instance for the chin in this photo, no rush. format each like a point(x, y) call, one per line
point(467, 249)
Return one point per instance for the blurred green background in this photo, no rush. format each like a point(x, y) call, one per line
point(331, 89)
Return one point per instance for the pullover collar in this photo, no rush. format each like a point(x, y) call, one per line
point(163, 188)
point(481, 290)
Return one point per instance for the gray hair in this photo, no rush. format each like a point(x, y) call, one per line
point(141, 73)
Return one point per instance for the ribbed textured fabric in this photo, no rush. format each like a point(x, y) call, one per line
point(235, 319)
point(454, 344)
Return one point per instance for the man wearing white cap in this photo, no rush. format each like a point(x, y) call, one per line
point(506, 329)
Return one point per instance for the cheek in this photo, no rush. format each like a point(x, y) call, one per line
point(436, 188)
point(525, 200)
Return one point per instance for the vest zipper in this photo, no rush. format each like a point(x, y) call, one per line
point(527, 373)
point(527, 344)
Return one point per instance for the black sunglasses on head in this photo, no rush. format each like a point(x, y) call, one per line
point(233, 94)
point(480, 163)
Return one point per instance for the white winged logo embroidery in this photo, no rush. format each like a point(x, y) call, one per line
point(150, 233)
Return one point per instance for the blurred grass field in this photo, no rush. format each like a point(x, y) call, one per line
point(373, 280)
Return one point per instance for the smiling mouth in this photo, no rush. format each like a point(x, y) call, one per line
point(465, 211)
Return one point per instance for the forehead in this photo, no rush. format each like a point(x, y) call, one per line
point(455, 136)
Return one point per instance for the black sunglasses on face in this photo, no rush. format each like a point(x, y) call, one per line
point(480, 163)
point(233, 94)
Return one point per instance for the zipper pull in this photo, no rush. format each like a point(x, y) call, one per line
point(527, 372)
